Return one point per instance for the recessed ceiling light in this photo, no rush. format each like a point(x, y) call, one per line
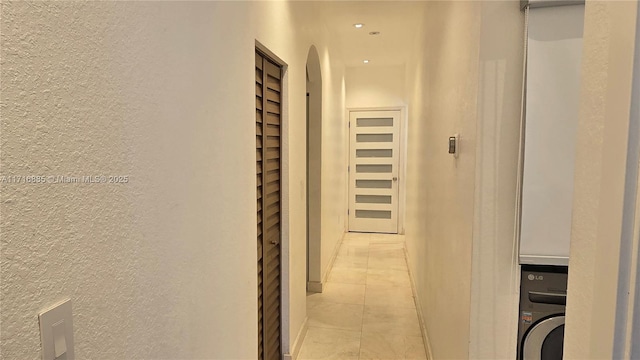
point(374, 33)
point(358, 25)
point(365, 61)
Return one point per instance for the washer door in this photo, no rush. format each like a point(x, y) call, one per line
point(544, 340)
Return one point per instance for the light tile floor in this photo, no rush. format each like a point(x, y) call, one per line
point(367, 309)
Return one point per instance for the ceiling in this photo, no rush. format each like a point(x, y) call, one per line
point(397, 22)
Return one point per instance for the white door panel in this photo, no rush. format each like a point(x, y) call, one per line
point(373, 171)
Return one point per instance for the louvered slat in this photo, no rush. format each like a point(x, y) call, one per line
point(273, 220)
point(272, 187)
point(272, 197)
point(273, 70)
point(272, 176)
point(273, 208)
point(272, 204)
point(272, 84)
point(272, 108)
point(273, 154)
point(259, 61)
point(272, 130)
point(273, 119)
point(273, 142)
point(273, 231)
point(272, 96)
point(272, 277)
point(273, 165)
point(275, 352)
point(272, 323)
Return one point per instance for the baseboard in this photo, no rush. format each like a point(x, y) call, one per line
point(314, 286)
point(334, 255)
point(297, 345)
point(423, 327)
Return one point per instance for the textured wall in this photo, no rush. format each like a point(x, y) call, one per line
point(607, 68)
point(495, 271)
point(442, 89)
point(164, 265)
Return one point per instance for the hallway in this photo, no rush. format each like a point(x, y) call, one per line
point(367, 309)
point(146, 159)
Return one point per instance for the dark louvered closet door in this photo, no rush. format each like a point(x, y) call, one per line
point(268, 87)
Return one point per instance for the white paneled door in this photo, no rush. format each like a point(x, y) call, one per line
point(373, 171)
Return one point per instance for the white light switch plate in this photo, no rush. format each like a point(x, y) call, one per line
point(56, 332)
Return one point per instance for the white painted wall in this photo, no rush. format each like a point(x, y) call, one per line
point(334, 131)
point(334, 155)
point(603, 129)
point(163, 266)
point(495, 270)
point(442, 86)
point(466, 78)
point(314, 169)
point(375, 86)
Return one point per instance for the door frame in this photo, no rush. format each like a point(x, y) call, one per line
point(285, 238)
point(402, 169)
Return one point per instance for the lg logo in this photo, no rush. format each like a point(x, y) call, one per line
point(535, 277)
